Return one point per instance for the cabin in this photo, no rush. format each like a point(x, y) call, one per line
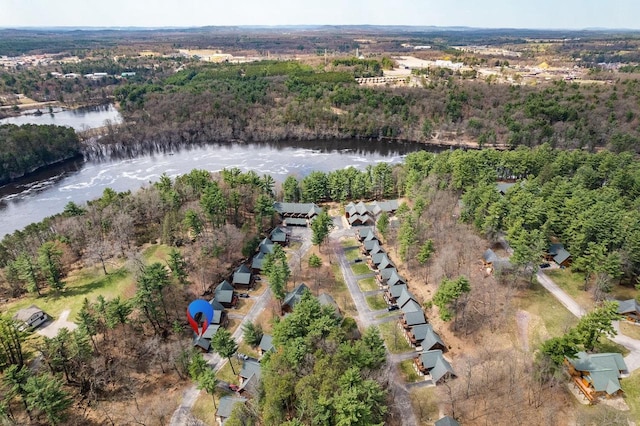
point(293, 297)
point(326, 300)
point(368, 245)
point(596, 375)
point(384, 275)
point(250, 369)
point(294, 221)
point(362, 214)
point(306, 211)
point(447, 421)
point(629, 309)
point(278, 236)
point(392, 293)
point(242, 278)
point(559, 255)
point(411, 319)
point(265, 246)
point(433, 366)
point(362, 233)
point(225, 294)
point(266, 345)
point(226, 406)
point(257, 263)
point(491, 262)
point(423, 337)
point(30, 318)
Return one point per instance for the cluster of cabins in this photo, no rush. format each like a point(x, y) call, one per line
point(431, 362)
point(362, 214)
point(243, 278)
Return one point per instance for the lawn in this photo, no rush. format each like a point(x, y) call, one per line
point(630, 330)
point(556, 319)
point(226, 374)
point(573, 284)
point(360, 269)
point(243, 306)
point(409, 373)
point(352, 253)
point(394, 338)
point(349, 242)
point(424, 401)
point(87, 282)
point(368, 284)
point(156, 253)
point(341, 294)
point(631, 388)
point(376, 302)
point(204, 410)
point(623, 292)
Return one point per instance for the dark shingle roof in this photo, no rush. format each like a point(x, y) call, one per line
point(436, 364)
point(604, 370)
point(447, 421)
point(266, 343)
point(293, 297)
point(226, 404)
point(278, 235)
point(250, 367)
point(628, 306)
point(415, 318)
point(397, 290)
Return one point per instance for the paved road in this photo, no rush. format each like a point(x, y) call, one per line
point(367, 318)
point(182, 415)
point(632, 360)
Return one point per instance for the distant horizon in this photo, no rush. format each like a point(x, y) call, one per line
point(564, 15)
point(303, 26)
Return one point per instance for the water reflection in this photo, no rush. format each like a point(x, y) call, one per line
point(80, 119)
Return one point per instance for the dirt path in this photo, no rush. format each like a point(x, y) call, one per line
point(51, 329)
point(522, 319)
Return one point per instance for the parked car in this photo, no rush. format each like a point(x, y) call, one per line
point(243, 295)
point(358, 260)
point(393, 308)
point(544, 265)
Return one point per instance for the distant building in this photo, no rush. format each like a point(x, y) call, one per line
point(293, 297)
point(424, 47)
point(225, 407)
point(128, 74)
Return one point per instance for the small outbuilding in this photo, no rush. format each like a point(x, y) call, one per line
point(31, 317)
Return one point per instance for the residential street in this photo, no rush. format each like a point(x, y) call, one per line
point(367, 318)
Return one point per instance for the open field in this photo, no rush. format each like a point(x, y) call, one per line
point(368, 284)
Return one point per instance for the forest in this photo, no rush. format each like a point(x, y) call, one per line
point(24, 149)
point(270, 101)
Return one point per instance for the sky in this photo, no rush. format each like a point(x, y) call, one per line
point(555, 14)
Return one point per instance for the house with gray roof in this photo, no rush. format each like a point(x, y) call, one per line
point(503, 187)
point(559, 254)
point(242, 278)
point(362, 233)
point(225, 294)
point(384, 275)
point(423, 336)
point(392, 293)
point(297, 210)
point(266, 344)
point(411, 319)
point(326, 300)
point(293, 297)
point(367, 245)
point(405, 297)
point(395, 278)
point(265, 246)
point(279, 236)
point(226, 406)
point(257, 263)
point(629, 309)
point(597, 374)
point(250, 371)
point(366, 214)
point(30, 318)
point(433, 366)
point(295, 221)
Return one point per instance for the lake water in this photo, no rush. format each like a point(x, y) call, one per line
point(80, 119)
point(47, 193)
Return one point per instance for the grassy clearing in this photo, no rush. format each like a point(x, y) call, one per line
point(89, 283)
point(424, 401)
point(630, 330)
point(360, 269)
point(394, 338)
point(156, 253)
point(349, 242)
point(409, 373)
point(233, 324)
point(244, 348)
point(368, 284)
point(226, 374)
point(631, 388)
point(204, 410)
point(573, 284)
point(605, 345)
point(341, 294)
point(555, 318)
point(243, 306)
point(376, 302)
point(623, 292)
point(352, 253)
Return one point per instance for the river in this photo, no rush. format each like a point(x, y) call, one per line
point(47, 192)
point(80, 119)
